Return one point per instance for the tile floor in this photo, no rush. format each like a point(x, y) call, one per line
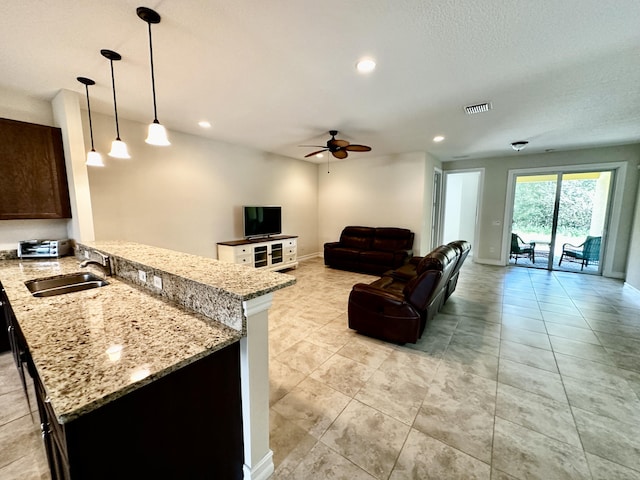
point(525, 374)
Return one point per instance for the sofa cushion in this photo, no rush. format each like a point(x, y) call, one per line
point(357, 237)
point(377, 257)
point(392, 239)
point(339, 253)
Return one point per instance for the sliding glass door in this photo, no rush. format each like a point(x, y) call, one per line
point(559, 220)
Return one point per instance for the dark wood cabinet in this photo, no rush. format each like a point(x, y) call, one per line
point(4, 325)
point(33, 179)
point(186, 424)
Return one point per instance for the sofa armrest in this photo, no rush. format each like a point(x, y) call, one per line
point(332, 244)
point(363, 290)
point(415, 260)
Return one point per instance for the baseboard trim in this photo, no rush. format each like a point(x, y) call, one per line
point(618, 275)
point(489, 261)
point(261, 470)
point(628, 285)
point(309, 256)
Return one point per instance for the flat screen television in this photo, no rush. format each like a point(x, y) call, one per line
point(262, 221)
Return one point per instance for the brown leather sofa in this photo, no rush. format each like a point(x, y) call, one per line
point(369, 249)
point(398, 306)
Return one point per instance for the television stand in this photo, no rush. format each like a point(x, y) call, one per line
point(277, 252)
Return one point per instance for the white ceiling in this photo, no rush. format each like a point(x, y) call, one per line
point(272, 75)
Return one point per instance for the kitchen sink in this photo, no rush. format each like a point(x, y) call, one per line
point(60, 284)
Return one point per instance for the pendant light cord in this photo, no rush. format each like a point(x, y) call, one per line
point(115, 105)
point(86, 87)
point(153, 79)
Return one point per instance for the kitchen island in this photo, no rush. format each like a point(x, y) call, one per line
point(178, 340)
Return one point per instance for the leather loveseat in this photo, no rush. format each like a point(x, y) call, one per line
point(369, 249)
point(398, 306)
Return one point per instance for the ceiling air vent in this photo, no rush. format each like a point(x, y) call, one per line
point(478, 108)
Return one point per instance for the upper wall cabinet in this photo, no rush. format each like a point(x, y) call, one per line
point(33, 178)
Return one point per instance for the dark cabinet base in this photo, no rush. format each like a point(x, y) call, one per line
point(185, 425)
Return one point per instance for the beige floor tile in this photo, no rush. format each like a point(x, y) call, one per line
point(366, 352)
point(531, 356)
point(312, 405)
point(526, 337)
point(424, 457)
point(602, 469)
point(290, 444)
point(304, 356)
point(538, 413)
point(343, 374)
point(471, 361)
point(587, 351)
point(393, 396)
point(459, 409)
point(18, 438)
point(323, 463)
point(580, 334)
point(368, 438)
point(410, 365)
point(524, 323)
point(282, 379)
point(531, 379)
point(529, 455)
point(610, 439)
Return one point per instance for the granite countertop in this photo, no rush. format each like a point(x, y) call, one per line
point(229, 277)
point(97, 345)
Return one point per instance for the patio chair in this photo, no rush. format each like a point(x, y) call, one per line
point(585, 253)
point(520, 248)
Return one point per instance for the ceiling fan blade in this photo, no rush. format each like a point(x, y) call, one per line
point(340, 154)
point(358, 148)
point(337, 143)
point(317, 146)
point(315, 153)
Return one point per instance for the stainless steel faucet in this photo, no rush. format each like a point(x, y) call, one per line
point(105, 264)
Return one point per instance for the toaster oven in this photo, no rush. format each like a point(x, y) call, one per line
point(44, 248)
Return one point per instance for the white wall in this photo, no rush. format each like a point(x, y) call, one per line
point(490, 236)
point(386, 191)
point(633, 265)
point(18, 106)
point(188, 196)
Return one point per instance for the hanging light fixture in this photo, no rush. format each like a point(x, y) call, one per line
point(118, 147)
point(157, 133)
point(94, 159)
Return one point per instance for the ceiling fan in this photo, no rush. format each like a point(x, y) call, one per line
point(338, 148)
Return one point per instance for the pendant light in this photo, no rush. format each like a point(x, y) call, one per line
point(157, 133)
point(118, 147)
point(94, 159)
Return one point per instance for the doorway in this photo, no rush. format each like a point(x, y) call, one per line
point(559, 220)
point(436, 209)
point(461, 205)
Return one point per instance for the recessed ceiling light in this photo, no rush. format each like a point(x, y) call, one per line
point(438, 138)
point(204, 124)
point(366, 65)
